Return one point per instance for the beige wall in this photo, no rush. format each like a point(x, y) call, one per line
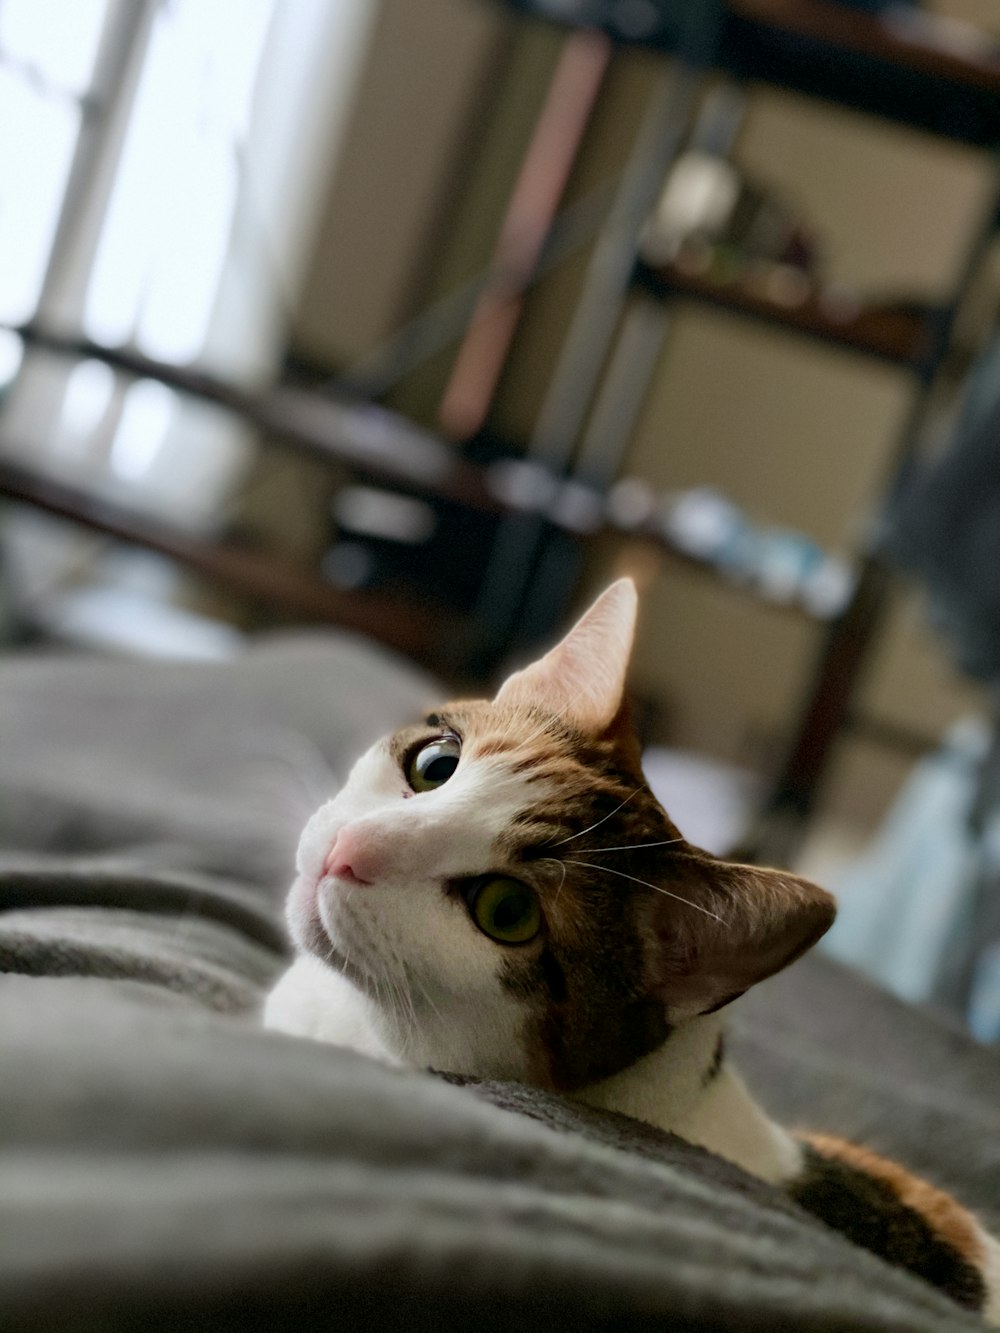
point(797, 433)
point(425, 66)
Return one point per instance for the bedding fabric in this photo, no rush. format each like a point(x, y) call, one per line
point(165, 1164)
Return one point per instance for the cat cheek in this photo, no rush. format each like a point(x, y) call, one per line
point(301, 912)
point(314, 843)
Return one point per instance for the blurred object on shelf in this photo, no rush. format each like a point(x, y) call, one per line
point(718, 236)
point(709, 205)
point(380, 531)
point(782, 565)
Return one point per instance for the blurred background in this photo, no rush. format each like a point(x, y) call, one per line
point(427, 319)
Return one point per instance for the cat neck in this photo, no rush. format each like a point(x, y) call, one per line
point(688, 1087)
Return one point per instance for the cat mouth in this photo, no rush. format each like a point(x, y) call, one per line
point(325, 943)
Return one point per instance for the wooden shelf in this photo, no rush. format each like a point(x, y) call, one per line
point(335, 429)
point(263, 578)
point(901, 335)
point(899, 65)
point(906, 65)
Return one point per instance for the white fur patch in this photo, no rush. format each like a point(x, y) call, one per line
point(667, 1088)
point(312, 1000)
point(432, 993)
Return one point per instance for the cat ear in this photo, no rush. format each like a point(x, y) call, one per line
point(737, 925)
point(583, 677)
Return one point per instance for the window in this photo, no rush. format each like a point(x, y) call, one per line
point(159, 163)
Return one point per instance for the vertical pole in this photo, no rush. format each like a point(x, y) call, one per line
point(540, 184)
point(520, 540)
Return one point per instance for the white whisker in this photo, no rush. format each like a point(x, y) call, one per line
point(599, 822)
point(406, 1014)
point(632, 846)
point(551, 860)
point(687, 901)
point(347, 947)
point(426, 994)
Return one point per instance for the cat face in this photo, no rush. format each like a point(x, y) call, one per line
point(511, 899)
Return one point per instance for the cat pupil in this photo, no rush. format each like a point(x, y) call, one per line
point(509, 911)
point(441, 769)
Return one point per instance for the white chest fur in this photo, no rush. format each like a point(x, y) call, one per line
point(669, 1089)
point(312, 1000)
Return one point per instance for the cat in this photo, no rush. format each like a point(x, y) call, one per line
point(496, 892)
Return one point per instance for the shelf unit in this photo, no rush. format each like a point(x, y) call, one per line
point(901, 66)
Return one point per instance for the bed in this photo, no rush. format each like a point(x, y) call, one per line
point(166, 1164)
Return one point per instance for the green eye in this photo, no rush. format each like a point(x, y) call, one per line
point(506, 910)
point(434, 763)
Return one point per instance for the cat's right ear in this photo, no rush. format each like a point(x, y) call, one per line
point(582, 679)
point(714, 929)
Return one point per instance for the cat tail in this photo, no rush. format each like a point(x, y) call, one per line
point(881, 1206)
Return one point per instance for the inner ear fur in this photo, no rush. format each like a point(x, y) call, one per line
point(582, 679)
point(761, 920)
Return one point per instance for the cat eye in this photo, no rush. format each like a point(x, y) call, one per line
point(506, 910)
point(434, 763)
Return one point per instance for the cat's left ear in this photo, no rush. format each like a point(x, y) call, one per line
point(583, 677)
point(719, 928)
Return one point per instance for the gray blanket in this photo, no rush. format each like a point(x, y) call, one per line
point(165, 1164)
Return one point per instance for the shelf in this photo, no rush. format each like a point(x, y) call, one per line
point(261, 577)
point(337, 430)
point(902, 335)
point(321, 428)
point(905, 65)
point(898, 66)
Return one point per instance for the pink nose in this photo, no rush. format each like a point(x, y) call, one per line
point(353, 857)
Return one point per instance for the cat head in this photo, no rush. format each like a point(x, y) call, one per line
point(504, 889)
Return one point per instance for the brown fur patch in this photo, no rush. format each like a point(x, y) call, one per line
point(953, 1223)
point(489, 745)
point(584, 983)
point(632, 913)
point(882, 1208)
